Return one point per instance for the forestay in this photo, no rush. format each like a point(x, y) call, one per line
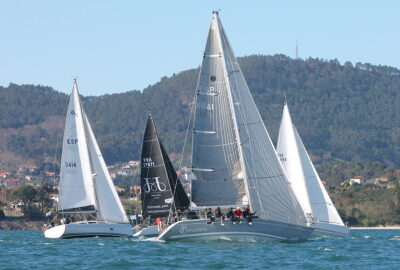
point(76, 185)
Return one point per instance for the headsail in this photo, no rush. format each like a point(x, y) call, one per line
point(301, 173)
point(239, 149)
point(76, 184)
point(109, 205)
point(161, 189)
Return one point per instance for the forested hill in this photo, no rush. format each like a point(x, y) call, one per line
point(348, 111)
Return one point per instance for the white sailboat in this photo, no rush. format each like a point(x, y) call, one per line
point(233, 158)
point(315, 201)
point(87, 193)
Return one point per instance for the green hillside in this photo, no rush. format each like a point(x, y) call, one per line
point(349, 111)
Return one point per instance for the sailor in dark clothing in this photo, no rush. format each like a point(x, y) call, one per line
point(210, 215)
point(218, 214)
point(229, 214)
point(248, 215)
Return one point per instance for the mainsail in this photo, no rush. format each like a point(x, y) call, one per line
point(306, 183)
point(233, 157)
point(162, 191)
point(76, 183)
point(85, 184)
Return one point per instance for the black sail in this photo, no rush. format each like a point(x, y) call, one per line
point(161, 189)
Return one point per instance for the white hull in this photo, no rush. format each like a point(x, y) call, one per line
point(149, 231)
point(330, 229)
point(193, 230)
point(89, 229)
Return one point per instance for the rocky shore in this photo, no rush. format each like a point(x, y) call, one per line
point(21, 224)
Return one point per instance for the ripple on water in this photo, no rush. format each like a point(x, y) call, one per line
point(372, 249)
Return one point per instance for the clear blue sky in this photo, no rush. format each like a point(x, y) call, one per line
point(116, 46)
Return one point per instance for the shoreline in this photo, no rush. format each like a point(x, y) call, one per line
point(393, 227)
point(8, 225)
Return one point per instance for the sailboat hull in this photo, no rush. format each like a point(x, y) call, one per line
point(194, 230)
point(89, 229)
point(149, 231)
point(330, 229)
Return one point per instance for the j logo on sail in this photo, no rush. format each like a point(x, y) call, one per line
point(154, 185)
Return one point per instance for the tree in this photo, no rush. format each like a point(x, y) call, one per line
point(43, 196)
point(27, 195)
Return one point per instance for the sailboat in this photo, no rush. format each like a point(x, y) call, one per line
point(234, 162)
point(88, 201)
point(315, 201)
point(162, 191)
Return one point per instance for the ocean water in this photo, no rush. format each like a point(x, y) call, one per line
point(363, 249)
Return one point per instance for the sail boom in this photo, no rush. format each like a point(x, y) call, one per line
point(78, 212)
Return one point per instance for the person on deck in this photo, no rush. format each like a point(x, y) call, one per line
point(237, 215)
point(247, 214)
point(159, 224)
point(210, 215)
point(229, 214)
point(218, 213)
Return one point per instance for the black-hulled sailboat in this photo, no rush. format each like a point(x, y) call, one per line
point(233, 160)
point(162, 191)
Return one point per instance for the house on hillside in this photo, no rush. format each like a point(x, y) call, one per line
point(29, 168)
point(119, 189)
point(13, 182)
point(49, 174)
point(134, 163)
point(136, 189)
point(4, 174)
point(357, 180)
point(381, 181)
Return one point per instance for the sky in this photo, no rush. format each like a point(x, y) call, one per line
point(118, 46)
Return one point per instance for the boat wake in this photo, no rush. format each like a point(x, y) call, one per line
point(148, 239)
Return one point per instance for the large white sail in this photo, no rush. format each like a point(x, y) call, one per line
point(289, 154)
point(76, 185)
point(109, 206)
point(302, 174)
point(232, 150)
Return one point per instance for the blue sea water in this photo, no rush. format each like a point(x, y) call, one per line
point(363, 249)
